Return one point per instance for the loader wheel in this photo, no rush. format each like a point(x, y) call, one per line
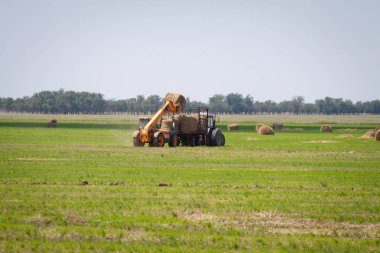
point(136, 140)
point(216, 137)
point(159, 141)
point(173, 141)
point(223, 140)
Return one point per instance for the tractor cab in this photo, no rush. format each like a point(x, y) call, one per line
point(211, 122)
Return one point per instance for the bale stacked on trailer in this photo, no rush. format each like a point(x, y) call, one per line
point(189, 124)
point(167, 124)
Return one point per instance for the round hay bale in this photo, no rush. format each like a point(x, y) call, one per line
point(326, 129)
point(369, 134)
point(188, 124)
point(377, 135)
point(52, 123)
point(266, 130)
point(167, 124)
point(233, 127)
point(176, 98)
point(277, 126)
point(258, 126)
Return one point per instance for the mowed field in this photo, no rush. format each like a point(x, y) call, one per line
point(83, 187)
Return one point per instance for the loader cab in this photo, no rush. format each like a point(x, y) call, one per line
point(143, 121)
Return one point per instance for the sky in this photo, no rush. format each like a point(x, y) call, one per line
point(271, 50)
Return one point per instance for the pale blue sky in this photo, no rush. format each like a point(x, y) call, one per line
point(269, 49)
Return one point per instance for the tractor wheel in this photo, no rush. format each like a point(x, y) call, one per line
point(159, 141)
point(136, 140)
point(173, 140)
point(223, 140)
point(216, 137)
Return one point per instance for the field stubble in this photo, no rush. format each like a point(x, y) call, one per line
point(83, 187)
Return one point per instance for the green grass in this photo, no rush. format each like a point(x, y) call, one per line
point(299, 190)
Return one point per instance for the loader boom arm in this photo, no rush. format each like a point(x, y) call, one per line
point(168, 106)
point(153, 121)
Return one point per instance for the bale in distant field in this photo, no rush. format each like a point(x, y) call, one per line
point(369, 134)
point(233, 127)
point(52, 123)
point(277, 126)
point(258, 126)
point(266, 130)
point(177, 99)
point(326, 129)
point(377, 135)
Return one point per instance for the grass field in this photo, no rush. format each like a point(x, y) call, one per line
point(83, 187)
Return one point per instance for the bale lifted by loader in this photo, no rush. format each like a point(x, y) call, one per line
point(194, 128)
point(150, 133)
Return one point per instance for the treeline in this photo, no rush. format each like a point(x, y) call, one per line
point(71, 102)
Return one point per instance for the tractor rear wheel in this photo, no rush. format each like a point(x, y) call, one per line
point(216, 137)
point(223, 141)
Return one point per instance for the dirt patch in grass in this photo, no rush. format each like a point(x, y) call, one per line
point(278, 223)
point(196, 215)
point(41, 221)
point(322, 141)
point(41, 159)
point(75, 220)
point(293, 129)
point(252, 139)
point(345, 136)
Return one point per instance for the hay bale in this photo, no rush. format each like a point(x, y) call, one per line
point(176, 98)
point(167, 124)
point(233, 127)
point(258, 126)
point(52, 123)
point(326, 129)
point(188, 124)
point(277, 126)
point(377, 135)
point(266, 130)
point(369, 134)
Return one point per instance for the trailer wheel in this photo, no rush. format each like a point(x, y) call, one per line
point(136, 139)
point(173, 142)
point(159, 141)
